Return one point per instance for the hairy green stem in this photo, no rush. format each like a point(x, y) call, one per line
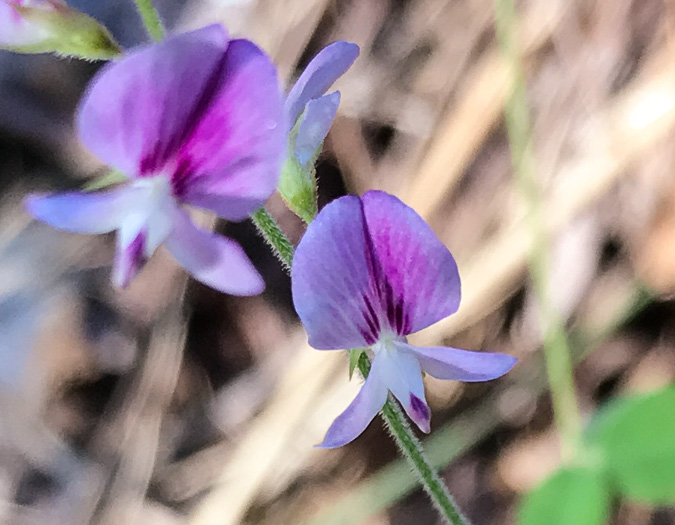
point(151, 21)
point(411, 448)
point(394, 418)
point(275, 237)
point(556, 346)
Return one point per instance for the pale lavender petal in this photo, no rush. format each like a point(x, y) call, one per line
point(460, 365)
point(129, 259)
point(15, 30)
point(401, 372)
point(214, 260)
point(419, 280)
point(139, 110)
point(316, 123)
point(325, 68)
point(91, 213)
point(358, 415)
point(332, 280)
point(232, 208)
point(231, 161)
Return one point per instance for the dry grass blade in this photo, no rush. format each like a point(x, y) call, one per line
point(268, 438)
point(642, 116)
point(466, 126)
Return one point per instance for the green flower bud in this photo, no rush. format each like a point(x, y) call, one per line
point(50, 26)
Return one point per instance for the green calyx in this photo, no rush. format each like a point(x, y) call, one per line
point(68, 32)
point(297, 184)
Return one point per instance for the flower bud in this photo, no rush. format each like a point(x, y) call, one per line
point(46, 26)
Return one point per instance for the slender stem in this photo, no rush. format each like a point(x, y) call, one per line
point(394, 418)
point(151, 21)
point(412, 449)
point(275, 237)
point(556, 347)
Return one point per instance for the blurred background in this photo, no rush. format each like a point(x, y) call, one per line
point(139, 407)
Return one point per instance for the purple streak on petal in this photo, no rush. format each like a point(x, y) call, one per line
point(333, 286)
point(358, 415)
point(139, 110)
point(325, 68)
point(460, 365)
point(78, 212)
point(401, 372)
point(316, 123)
point(421, 411)
point(129, 260)
point(419, 281)
point(231, 162)
point(212, 259)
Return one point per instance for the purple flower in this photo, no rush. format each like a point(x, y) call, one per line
point(39, 26)
point(196, 119)
point(307, 105)
point(367, 273)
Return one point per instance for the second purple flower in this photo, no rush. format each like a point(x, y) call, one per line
point(196, 120)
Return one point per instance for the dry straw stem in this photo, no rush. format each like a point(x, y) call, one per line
point(130, 442)
point(617, 136)
point(465, 127)
point(284, 28)
point(269, 437)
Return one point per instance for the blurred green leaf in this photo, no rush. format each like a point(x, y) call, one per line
point(636, 436)
point(572, 496)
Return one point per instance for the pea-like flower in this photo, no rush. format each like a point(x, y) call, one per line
point(309, 116)
point(196, 120)
point(368, 272)
point(40, 26)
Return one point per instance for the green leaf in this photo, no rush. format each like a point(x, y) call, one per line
point(572, 496)
point(354, 356)
point(636, 437)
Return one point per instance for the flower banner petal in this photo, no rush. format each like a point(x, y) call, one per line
point(325, 68)
point(231, 161)
point(419, 280)
point(332, 281)
point(138, 111)
point(460, 365)
point(91, 213)
point(358, 415)
point(316, 123)
point(212, 259)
